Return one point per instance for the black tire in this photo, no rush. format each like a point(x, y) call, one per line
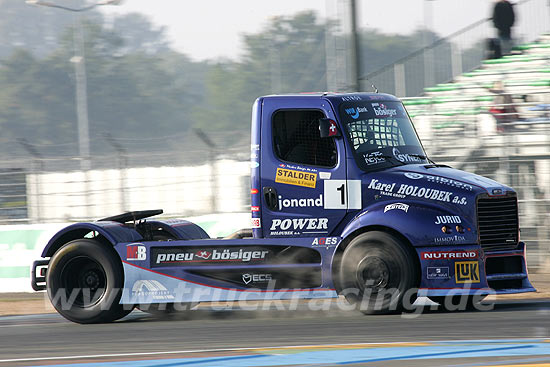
point(379, 274)
point(458, 303)
point(84, 282)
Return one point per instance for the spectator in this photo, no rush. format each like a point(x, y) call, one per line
point(503, 20)
point(492, 49)
point(504, 110)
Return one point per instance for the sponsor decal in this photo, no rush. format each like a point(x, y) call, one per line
point(256, 278)
point(375, 97)
point(254, 147)
point(374, 158)
point(447, 219)
point(450, 255)
point(299, 168)
point(255, 208)
point(413, 176)
point(256, 223)
point(467, 272)
point(449, 182)
point(304, 225)
point(399, 206)
point(325, 241)
point(203, 254)
point(355, 111)
point(301, 203)
point(291, 177)
point(422, 192)
point(136, 252)
point(351, 98)
point(450, 239)
point(437, 272)
point(324, 175)
point(440, 180)
point(181, 256)
point(254, 155)
point(405, 157)
point(253, 191)
point(381, 109)
point(254, 164)
point(150, 288)
point(405, 190)
point(377, 185)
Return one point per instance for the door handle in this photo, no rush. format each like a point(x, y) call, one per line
point(270, 195)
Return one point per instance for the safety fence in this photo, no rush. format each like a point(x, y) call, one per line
point(448, 57)
point(179, 174)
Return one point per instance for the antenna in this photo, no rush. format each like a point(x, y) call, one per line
point(372, 85)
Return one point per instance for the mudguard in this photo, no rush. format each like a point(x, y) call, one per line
point(181, 229)
point(420, 223)
point(114, 232)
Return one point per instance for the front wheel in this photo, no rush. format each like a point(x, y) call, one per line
point(378, 273)
point(84, 282)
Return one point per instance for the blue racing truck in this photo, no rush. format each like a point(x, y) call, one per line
point(344, 201)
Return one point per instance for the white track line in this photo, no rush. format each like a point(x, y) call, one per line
point(89, 356)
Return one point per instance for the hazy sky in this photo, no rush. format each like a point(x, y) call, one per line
point(210, 29)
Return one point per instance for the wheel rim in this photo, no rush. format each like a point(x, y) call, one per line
point(373, 273)
point(84, 281)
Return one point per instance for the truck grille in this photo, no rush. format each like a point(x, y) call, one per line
point(497, 221)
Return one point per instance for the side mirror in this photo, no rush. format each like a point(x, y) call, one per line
point(328, 128)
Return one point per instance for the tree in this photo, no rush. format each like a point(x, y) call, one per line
point(139, 35)
point(130, 94)
point(287, 56)
point(35, 28)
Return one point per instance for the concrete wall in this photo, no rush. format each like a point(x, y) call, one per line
point(76, 195)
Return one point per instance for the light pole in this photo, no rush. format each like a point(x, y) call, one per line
point(354, 49)
point(122, 164)
point(37, 171)
point(80, 75)
point(212, 159)
point(429, 72)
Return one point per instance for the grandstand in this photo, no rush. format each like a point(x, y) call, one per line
point(457, 122)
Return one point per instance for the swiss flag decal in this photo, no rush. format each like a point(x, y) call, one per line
point(332, 130)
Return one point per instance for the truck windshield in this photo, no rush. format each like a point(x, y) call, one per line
point(381, 134)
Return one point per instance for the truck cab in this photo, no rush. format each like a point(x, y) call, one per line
point(369, 171)
point(344, 201)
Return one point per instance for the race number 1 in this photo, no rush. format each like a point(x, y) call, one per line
point(342, 194)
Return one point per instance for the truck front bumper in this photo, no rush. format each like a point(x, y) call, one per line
point(495, 272)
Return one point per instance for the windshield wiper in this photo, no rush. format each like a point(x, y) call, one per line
point(421, 156)
point(418, 156)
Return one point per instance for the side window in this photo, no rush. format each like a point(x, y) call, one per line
point(296, 138)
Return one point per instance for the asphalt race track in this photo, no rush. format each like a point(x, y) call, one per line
point(514, 332)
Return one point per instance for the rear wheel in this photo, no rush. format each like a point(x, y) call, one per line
point(378, 273)
point(84, 282)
